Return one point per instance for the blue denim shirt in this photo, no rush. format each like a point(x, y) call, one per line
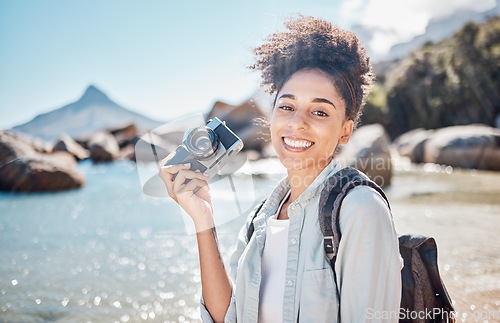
point(367, 267)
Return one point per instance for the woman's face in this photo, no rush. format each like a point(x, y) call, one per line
point(308, 121)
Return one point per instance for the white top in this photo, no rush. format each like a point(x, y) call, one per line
point(368, 266)
point(274, 269)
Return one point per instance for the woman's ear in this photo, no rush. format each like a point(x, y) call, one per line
point(347, 129)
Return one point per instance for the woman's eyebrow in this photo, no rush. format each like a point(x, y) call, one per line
point(316, 100)
point(289, 96)
point(322, 100)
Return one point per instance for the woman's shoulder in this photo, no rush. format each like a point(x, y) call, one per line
point(366, 204)
point(365, 194)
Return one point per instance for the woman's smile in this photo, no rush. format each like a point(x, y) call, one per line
point(296, 145)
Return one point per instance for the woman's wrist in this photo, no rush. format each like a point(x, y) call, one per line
point(205, 223)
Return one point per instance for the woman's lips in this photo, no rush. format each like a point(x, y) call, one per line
point(294, 144)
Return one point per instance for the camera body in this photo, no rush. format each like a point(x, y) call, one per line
point(207, 148)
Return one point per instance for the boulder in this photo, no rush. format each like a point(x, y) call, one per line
point(128, 152)
point(83, 141)
point(40, 172)
point(14, 145)
point(38, 145)
point(411, 144)
point(369, 151)
point(471, 146)
point(125, 136)
point(25, 166)
point(66, 143)
point(103, 147)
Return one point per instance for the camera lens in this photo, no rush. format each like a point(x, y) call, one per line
point(202, 142)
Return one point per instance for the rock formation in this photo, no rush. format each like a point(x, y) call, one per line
point(68, 144)
point(41, 172)
point(103, 147)
point(25, 166)
point(471, 146)
point(411, 144)
point(369, 151)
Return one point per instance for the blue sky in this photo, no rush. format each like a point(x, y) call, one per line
point(160, 58)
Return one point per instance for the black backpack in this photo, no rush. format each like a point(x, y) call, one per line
point(424, 297)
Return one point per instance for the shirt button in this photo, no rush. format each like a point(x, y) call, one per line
point(294, 241)
point(290, 282)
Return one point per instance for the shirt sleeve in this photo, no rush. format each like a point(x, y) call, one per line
point(368, 265)
point(233, 269)
point(230, 314)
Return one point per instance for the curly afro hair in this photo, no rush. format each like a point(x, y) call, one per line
point(312, 43)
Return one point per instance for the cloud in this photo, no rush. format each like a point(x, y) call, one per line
point(395, 21)
point(351, 10)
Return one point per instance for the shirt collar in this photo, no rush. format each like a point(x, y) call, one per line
point(317, 185)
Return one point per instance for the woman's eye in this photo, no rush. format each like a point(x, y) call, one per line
point(320, 113)
point(286, 107)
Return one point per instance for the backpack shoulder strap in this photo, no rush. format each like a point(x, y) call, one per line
point(251, 227)
point(336, 188)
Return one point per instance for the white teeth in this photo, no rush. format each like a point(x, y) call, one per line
point(297, 143)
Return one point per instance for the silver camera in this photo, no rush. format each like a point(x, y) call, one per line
point(207, 148)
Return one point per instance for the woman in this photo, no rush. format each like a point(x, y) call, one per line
point(321, 76)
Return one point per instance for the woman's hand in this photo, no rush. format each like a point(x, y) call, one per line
point(194, 196)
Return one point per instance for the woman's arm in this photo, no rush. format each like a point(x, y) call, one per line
point(215, 282)
point(368, 262)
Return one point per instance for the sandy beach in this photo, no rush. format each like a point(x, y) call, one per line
point(462, 211)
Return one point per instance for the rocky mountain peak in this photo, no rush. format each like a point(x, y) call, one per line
point(94, 95)
point(93, 111)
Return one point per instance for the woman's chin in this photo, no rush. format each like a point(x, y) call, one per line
point(296, 163)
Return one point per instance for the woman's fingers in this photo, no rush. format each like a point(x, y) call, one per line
point(169, 184)
point(194, 185)
point(163, 172)
point(166, 174)
point(172, 169)
point(183, 175)
point(182, 172)
point(193, 196)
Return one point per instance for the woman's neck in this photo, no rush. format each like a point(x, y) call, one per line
point(300, 181)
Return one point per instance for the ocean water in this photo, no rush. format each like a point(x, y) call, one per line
point(109, 253)
point(104, 253)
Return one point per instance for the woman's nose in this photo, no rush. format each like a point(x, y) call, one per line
point(298, 120)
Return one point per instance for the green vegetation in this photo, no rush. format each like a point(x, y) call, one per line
point(453, 82)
